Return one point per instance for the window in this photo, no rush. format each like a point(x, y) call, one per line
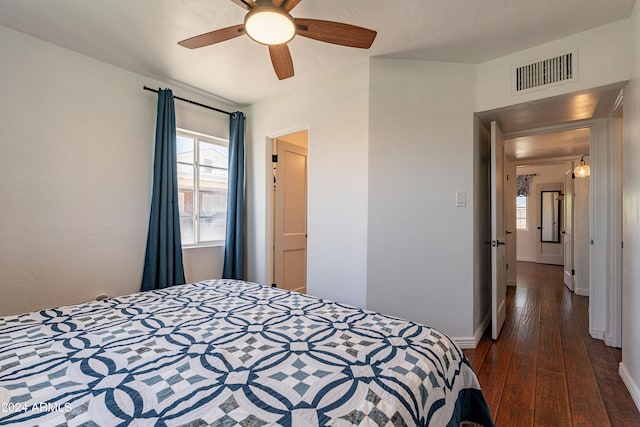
point(521, 212)
point(202, 188)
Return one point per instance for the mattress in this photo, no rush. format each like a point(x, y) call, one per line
point(230, 353)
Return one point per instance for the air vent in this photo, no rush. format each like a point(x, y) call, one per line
point(543, 73)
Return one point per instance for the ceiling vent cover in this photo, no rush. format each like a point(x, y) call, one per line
point(545, 72)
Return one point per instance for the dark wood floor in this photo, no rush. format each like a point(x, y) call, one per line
point(545, 369)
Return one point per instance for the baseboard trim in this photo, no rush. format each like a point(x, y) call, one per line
point(599, 335)
point(472, 342)
point(482, 327)
point(511, 282)
point(633, 388)
point(610, 341)
point(526, 259)
point(581, 292)
point(465, 342)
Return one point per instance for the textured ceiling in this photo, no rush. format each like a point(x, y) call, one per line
point(141, 35)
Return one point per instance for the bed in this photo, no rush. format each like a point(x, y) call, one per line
point(230, 353)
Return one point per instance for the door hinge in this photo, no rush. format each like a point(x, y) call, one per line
point(507, 266)
point(622, 245)
point(573, 272)
point(591, 242)
point(274, 158)
point(573, 175)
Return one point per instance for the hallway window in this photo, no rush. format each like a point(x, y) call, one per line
point(521, 212)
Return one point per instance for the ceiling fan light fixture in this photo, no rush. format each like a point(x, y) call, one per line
point(269, 25)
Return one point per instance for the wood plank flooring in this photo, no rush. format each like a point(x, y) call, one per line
point(545, 369)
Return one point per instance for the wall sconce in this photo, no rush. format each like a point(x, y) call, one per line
point(582, 170)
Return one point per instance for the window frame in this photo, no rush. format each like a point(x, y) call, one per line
point(526, 214)
point(197, 137)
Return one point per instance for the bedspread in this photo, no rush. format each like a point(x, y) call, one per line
point(227, 353)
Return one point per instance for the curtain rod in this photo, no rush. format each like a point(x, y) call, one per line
point(208, 107)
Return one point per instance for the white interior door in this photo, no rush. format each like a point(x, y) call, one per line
point(290, 257)
point(498, 241)
point(511, 236)
point(567, 232)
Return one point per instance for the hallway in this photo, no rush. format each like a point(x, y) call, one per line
point(545, 369)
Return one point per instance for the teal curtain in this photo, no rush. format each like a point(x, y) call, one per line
point(234, 242)
point(163, 259)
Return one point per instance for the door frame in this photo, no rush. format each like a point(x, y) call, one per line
point(567, 238)
point(269, 237)
point(605, 284)
point(287, 242)
point(554, 186)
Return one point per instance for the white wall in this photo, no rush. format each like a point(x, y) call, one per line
point(421, 246)
point(602, 197)
point(603, 58)
point(75, 174)
point(529, 239)
point(582, 233)
point(630, 367)
point(335, 110)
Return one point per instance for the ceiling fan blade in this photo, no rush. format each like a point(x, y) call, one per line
point(289, 4)
point(281, 60)
point(213, 37)
point(245, 4)
point(335, 32)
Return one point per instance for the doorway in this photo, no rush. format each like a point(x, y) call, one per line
point(546, 117)
point(289, 196)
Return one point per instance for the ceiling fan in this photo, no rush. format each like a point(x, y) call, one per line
point(268, 22)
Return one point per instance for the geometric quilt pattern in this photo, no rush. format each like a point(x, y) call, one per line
point(227, 353)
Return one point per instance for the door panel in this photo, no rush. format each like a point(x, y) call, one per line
point(498, 241)
point(510, 220)
point(290, 258)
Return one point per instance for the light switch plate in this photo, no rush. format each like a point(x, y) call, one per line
point(461, 199)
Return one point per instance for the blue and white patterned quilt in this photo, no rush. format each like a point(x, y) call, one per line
point(230, 353)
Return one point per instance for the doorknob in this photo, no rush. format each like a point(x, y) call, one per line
point(499, 243)
point(508, 232)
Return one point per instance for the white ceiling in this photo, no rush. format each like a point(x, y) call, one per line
point(141, 35)
point(564, 144)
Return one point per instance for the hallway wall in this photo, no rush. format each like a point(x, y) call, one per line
point(630, 366)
